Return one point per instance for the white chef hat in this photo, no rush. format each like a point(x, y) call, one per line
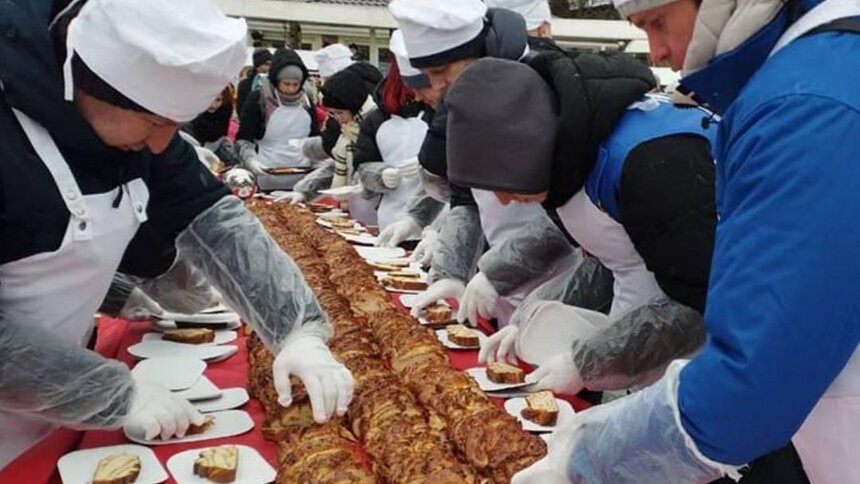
point(628, 7)
point(536, 12)
point(439, 32)
point(333, 59)
point(412, 77)
point(170, 57)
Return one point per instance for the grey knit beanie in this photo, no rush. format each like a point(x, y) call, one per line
point(628, 7)
point(291, 71)
point(502, 125)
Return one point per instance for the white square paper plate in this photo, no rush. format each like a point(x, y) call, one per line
point(78, 467)
point(174, 373)
point(227, 424)
point(380, 254)
point(161, 349)
point(251, 469)
point(203, 389)
point(363, 239)
point(565, 413)
point(442, 334)
point(480, 376)
point(230, 398)
point(221, 337)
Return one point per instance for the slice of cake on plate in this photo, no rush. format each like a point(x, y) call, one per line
point(541, 408)
point(117, 469)
point(504, 373)
point(462, 336)
point(218, 464)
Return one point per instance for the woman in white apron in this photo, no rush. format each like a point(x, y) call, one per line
point(272, 118)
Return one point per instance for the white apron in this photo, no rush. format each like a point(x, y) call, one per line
point(285, 124)
point(501, 223)
point(606, 239)
point(399, 140)
point(62, 290)
point(828, 442)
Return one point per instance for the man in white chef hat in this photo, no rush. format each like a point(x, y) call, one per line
point(94, 180)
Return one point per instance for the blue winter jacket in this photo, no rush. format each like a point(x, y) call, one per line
point(783, 310)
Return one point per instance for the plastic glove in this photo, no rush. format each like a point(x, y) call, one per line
point(294, 198)
point(139, 306)
point(398, 232)
point(255, 166)
point(391, 177)
point(329, 383)
point(423, 252)
point(559, 375)
point(158, 411)
point(479, 299)
point(441, 289)
point(499, 346)
point(634, 439)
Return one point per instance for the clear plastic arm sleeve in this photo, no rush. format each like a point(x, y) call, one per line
point(525, 257)
point(319, 179)
point(182, 289)
point(230, 246)
point(246, 150)
point(461, 243)
point(424, 208)
point(370, 174)
point(638, 345)
point(120, 289)
point(313, 149)
point(58, 381)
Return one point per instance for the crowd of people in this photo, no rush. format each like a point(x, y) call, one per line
point(691, 256)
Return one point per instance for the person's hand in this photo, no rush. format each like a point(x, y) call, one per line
point(479, 299)
point(391, 177)
point(255, 166)
point(398, 232)
point(425, 249)
point(329, 383)
point(157, 411)
point(294, 198)
point(499, 346)
point(558, 375)
point(441, 289)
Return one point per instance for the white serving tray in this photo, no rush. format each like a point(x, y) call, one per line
point(174, 373)
point(78, 467)
point(565, 413)
point(251, 468)
point(203, 389)
point(230, 398)
point(227, 424)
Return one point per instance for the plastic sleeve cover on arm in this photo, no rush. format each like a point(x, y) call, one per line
point(246, 150)
point(319, 179)
point(525, 257)
point(638, 345)
point(183, 289)
point(118, 293)
point(461, 243)
point(370, 174)
point(424, 208)
point(60, 382)
point(313, 149)
point(230, 246)
point(782, 314)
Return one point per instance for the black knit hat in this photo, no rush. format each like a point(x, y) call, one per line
point(345, 90)
point(502, 124)
point(261, 57)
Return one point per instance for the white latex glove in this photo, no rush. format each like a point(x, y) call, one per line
point(255, 166)
point(425, 249)
point(391, 177)
point(551, 469)
point(479, 299)
point(409, 167)
point(139, 306)
point(158, 411)
point(294, 198)
point(441, 289)
point(398, 232)
point(558, 375)
point(499, 346)
point(329, 383)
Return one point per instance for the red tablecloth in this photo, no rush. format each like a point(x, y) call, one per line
point(38, 465)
